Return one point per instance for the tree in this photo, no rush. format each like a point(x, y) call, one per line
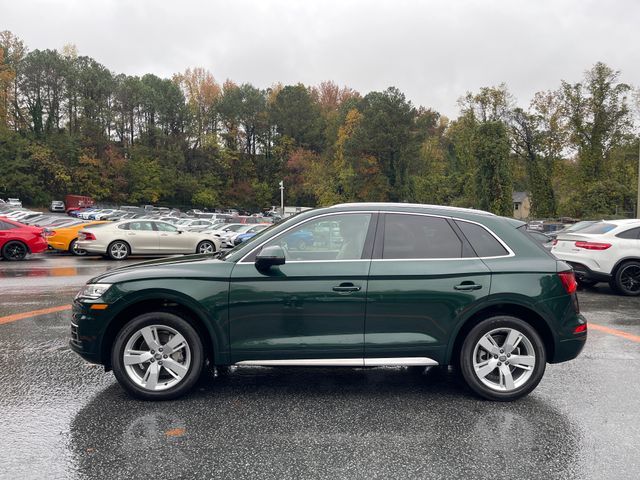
point(493, 182)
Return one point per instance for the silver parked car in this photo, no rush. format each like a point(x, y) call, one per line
point(119, 240)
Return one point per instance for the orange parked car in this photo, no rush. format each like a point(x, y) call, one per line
point(65, 238)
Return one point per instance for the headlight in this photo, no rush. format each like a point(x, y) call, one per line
point(93, 290)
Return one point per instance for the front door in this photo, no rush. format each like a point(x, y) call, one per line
point(423, 277)
point(313, 306)
point(172, 240)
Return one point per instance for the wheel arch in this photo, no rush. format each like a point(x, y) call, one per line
point(622, 261)
point(520, 311)
point(164, 302)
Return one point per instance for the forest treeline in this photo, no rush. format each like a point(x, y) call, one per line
point(70, 125)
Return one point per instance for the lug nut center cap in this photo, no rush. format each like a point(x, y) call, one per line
point(158, 356)
point(502, 358)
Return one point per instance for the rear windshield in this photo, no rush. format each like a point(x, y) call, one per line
point(598, 228)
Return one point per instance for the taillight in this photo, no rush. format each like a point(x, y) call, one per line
point(48, 233)
point(86, 236)
point(554, 242)
point(580, 328)
point(593, 245)
point(568, 280)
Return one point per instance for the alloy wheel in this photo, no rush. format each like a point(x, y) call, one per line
point(504, 359)
point(119, 251)
point(156, 357)
point(206, 247)
point(630, 278)
point(15, 251)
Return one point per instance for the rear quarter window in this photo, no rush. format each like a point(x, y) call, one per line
point(633, 233)
point(482, 241)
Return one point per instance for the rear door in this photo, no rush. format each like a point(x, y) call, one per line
point(423, 276)
point(142, 236)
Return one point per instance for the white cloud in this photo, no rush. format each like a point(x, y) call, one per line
point(433, 51)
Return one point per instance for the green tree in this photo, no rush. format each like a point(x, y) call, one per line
point(493, 182)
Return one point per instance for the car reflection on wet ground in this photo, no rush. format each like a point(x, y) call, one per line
point(63, 418)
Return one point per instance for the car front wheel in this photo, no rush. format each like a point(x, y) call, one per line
point(157, 356)
point(502, 358)
point(78, 252)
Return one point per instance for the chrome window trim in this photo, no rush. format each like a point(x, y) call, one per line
point(510, 252)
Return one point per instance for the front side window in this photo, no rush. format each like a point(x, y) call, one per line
point(331, 237)
point(419, 237)
point(165, 227)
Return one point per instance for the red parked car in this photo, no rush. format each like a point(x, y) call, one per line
point(17, 240)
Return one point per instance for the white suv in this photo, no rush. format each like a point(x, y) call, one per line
point(607, 251)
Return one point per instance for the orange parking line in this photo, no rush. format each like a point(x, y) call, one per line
point(614, 331)
point(33, 313)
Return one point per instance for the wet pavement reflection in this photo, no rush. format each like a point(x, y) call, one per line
point(63, 418)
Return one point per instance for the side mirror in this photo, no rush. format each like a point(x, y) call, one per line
point(179, 231)
point(270, 256)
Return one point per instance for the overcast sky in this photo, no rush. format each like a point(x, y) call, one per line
point(434, 51)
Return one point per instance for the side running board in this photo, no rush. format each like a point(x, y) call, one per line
point(343, 362)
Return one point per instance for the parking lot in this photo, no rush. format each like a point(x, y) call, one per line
point(63, 418)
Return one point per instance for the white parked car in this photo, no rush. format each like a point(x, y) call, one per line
point(14, 202)
point(119, 240)
point(607, 251)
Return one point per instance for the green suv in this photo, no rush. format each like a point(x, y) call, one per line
point(377, 284)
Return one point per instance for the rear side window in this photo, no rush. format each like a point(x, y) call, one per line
point(633, 233)
point(598, 228)
point(419, 236)
point(484, 244)
point(6, 226)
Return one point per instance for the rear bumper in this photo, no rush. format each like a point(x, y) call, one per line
point(39, 245)
point(583, 272)
point(569, 349)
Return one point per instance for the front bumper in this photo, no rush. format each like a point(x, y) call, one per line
point(87, 331)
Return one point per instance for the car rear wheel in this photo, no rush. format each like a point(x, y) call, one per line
point(502, 358)
point(73, 249)
point(627, 279)
point(157, 356)
point(206, 247)
point(14, 251)
point(118, 250)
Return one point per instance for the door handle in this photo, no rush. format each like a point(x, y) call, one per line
point(347, 287)
point(468, 286)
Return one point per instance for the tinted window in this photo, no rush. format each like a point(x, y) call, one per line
point(598, 228)
point(484, 244)
point(6, 226)
point(633, 233)
point(418, 236)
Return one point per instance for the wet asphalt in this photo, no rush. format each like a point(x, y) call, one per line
point(63, 418)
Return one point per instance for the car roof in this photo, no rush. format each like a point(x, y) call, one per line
point(410, 206)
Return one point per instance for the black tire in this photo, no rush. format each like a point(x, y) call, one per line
point(14, 251)
point(166, 319)
point(78, 252)
point(627, 279)
point(203, 244)
point(469, 348)
point(123, 247)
